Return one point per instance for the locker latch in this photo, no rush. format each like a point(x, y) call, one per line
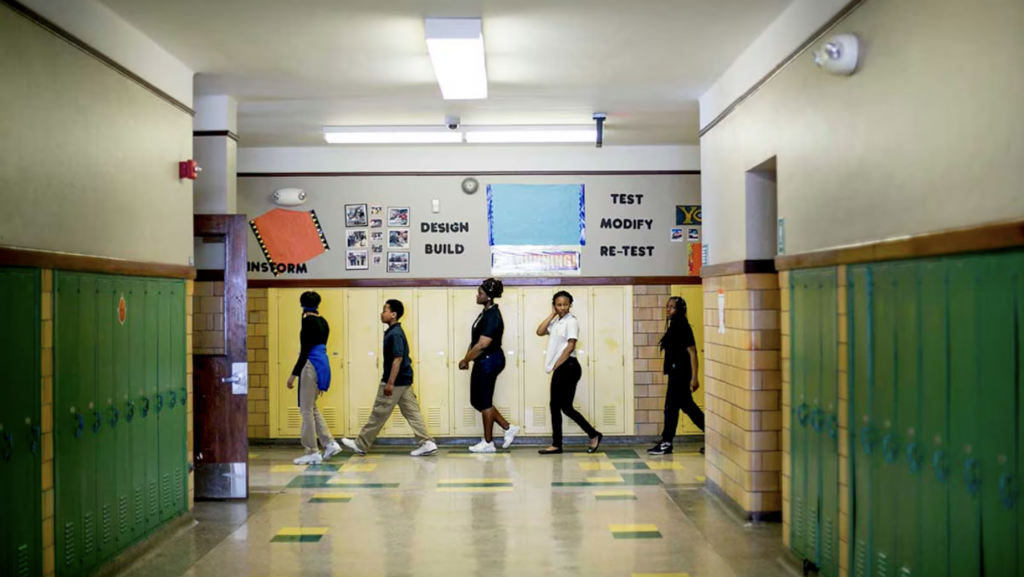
point(890, 448)
point(9, 451)
point(940, 466)
point(98, 424)
point(1007, 490)
point(37, 437)
point(81, 425)
point(914, 458)
point(131, 411)
point(972, 475)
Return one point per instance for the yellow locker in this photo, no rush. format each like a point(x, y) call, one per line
point(289, 323)
point(608, 354)
point(432, 363)
point(694, 297)
point(362, 357)
point(467, 421)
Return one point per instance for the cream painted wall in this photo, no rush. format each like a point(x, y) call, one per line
point(928, 135)
point(88, 159)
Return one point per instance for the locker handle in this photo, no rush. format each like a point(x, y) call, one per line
point(37, 435)
point(96, 426)
point(816, 424)
point(145, 407)
point(174, 399)
point(865, 440)
point(914, 458)
point(9, 439)
point(972, 475)
point(1007, 490)
point(115, 417)
point(801, 414)
point(159, 403)
point(833, 427)
point(131, 411)
point(81, 425)
point(940, 466)
point(890, 448)
point(184, 395)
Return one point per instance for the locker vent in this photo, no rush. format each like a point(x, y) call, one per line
point(89, 534)
point(24, 568)
point(363, 414)
point(882, 565)
point(906, 572)
point(177, 488)
point(398, 421)
point(70, 558)
point(293, 418)
point(468, 417)
point(434, 419)
point(331, 417)
point(826, 547)
point(812, 531)
point(610, 416)
point(505, 412)
point(861, 562)
point(798, 520)
point(165, 493)
point(140, 508)
point(106, 527)
point(122, 515)
point(154, 503)
point(540, 417)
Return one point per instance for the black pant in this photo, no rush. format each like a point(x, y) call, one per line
point(563, 391)
point(679, 398)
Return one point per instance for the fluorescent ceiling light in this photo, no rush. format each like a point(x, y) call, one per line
point(456, 47)
point(391, 135)
point(530, 134)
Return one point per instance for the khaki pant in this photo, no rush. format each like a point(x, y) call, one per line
point(313, 424)
point(407, 403)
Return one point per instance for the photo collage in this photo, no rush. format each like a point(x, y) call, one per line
point(366, 238)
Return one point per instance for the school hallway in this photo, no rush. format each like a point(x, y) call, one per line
point(618, 512)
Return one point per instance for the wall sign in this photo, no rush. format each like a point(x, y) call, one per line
point(688, 215)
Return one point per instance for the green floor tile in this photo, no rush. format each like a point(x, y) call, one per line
point(622, 454)
point(616, 497)
point(638, 535)
point(446, 485)
point(296, 538)
point(309, 482)
point(627, 465)
point(323, 468)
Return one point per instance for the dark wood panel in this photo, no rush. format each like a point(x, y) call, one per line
point(220, 417)
point(227, 133)
point(77, 42)
point(82, 263)
point(484, 173)
point(738, 267)
point(991, 237)
point(811, 41)
point(472, 282)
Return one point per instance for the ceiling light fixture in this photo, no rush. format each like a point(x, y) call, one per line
point(453, 134)
point(456, 47)
point(391, 135)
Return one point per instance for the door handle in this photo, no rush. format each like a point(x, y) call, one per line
point(940, 466)
point(816, 419)
point(1007, 490)
point(233, 379)
point(145, 407)
point(159, 403)
point(184, 395)
point(37, 436)
point(174, 399)
point(9, 451)
point(914, 458)
point(115, 417)
point(890, 448)
point(81, 425)
point(96, 426)
point(130, 412)
point(972, 475)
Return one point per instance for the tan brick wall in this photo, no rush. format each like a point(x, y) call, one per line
point(649, 383)
point(208, 318)
point(46, 316)
point(743, 376)
point(259, 364)
point(190, 289)
point(844, 426)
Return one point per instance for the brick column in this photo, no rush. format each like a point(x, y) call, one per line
point(190, 289)
point(49, 515)
point(743, 379)
point(259, 364)
point(649, 383)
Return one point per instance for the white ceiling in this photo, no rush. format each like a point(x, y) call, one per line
point(296, 66)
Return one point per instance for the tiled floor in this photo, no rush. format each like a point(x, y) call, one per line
point(616, 514)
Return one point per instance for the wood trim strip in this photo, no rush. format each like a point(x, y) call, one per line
point(204, 133)
point(77, 42)
point(10, 256)
point(471, 282)
point(811, 40)
point(739, 267)
point(484, 173)
point(990, 237)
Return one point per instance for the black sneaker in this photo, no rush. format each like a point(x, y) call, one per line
point(662, 448)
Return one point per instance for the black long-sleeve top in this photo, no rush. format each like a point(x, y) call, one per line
point(315, 331)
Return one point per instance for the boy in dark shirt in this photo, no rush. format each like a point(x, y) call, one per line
point(395, 389)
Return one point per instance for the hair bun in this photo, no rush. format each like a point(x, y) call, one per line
point(493, 288)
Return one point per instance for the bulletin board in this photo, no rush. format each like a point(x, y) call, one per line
point(536, 228)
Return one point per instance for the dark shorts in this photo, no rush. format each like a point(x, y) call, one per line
point(485, 373)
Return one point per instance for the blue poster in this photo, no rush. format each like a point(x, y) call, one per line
point(536, 229)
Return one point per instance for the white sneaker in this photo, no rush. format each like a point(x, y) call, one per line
point(427, 448)
point(475, 448)
point(483, 448)
point(353, 446)
point(333, 449)
point(309, 459)
point(510, 435)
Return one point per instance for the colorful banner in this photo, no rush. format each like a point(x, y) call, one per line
point(536, 229)
point(535, 260)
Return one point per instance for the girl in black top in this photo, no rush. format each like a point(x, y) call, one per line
point(680, 350)
point(488, 361)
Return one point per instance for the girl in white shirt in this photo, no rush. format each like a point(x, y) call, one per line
point(564, 330)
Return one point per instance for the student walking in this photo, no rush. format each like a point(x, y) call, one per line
point(314, 374)
point(488, 361)
point(680, 350)
point(563, 330)
point(395, 389)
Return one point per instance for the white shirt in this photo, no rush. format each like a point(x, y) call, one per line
point(560, 332)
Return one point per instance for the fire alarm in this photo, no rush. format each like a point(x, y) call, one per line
point(189, 169)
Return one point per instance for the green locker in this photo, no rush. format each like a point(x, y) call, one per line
point(862, 446)
point(150, 402)
point(165, 404)
point(933, 433)
point(136, 322)
point(106, 447)
point(909, 463)
point(178, 370)
point(20, 433)
point(884, 502)
point(799, 417)
point(827, 424)
point(811, 375)
point(120, 419)
point(93, 418)
point(69, 424)
point(1013, 491)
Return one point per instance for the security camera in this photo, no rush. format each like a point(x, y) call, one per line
point(452, 122)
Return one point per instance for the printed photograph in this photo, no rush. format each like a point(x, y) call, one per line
point(356, 238)
point(378, 248)
point(376, 210)
point(378, 260)
point(677, 235)
point(376, 223)
point(398, 239)
point(398, 262)
point(693, 234)
point(377, 236)
point(356, 260)
point(355, 215)
point(398, 216)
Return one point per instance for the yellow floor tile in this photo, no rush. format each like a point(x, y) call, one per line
point(597, 466)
